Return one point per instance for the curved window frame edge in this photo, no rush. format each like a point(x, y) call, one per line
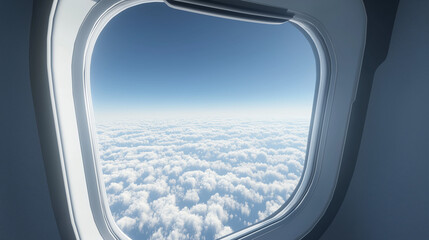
point(72, 30)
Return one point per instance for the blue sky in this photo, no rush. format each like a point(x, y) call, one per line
point(153, 59)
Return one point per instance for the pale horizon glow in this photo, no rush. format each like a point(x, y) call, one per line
point(299, 113)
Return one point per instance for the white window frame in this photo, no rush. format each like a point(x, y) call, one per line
point(337, 30)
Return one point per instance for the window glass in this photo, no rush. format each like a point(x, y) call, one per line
point(202, 122)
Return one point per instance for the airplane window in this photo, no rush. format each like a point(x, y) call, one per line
point(202, 122)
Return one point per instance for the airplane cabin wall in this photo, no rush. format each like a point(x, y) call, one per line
point(388, 197)
point(25, 205)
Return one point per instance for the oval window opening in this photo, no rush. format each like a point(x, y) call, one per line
point(202, 122)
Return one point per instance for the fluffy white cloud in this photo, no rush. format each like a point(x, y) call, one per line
point(126, 223)
point(189, 179)
point(192, 195)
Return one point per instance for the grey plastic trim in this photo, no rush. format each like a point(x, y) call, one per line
point(235, 9)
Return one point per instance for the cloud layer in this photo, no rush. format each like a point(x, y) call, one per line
point(188, 179)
